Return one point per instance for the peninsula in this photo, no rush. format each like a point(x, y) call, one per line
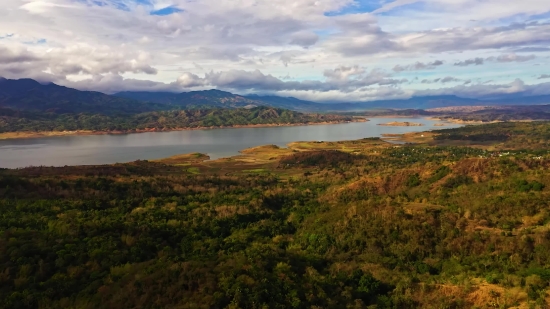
point(401, 124)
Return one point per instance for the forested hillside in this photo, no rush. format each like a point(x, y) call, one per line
point(318, 225)
point(28, 106)
point(26, 121)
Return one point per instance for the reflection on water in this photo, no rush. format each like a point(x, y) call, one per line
point(106, 149)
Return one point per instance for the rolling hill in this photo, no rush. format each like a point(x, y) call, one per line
point(194, 99)
point(30, 95)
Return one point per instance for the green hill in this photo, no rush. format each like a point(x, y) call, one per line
point(28, 121)
point(352, 224)
point(28, 106)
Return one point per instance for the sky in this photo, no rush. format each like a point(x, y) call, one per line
point(320, 50)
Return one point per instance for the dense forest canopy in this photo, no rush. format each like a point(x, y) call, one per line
point(352, 224)
point(28, 106)
point(21, 121)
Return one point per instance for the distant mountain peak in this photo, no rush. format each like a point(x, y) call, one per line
point(442, 97)
point(215, 91)
point(29, 94)
point(23, 82)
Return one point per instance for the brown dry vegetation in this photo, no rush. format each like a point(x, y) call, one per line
point(344, 224)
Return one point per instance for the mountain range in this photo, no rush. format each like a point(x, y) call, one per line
point(27, 94)
point(219, 98)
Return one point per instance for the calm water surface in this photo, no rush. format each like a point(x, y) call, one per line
point(217, 143)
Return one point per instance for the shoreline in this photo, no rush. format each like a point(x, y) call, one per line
point(399, 116)
point(42, 134)
point(401, 124)
point(459, 121)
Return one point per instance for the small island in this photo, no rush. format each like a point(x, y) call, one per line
point(401, 124)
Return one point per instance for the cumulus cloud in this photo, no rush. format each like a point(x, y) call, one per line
point(8, 56)
point(77, 59)
point(465, 10)
point(374, 40)
point(190, 80)
point(113, 83)
point(233, 54)
point(243, 45)
point(512, 57)
point(289, 57)
point(304, 39)
point(480, 90)
point(449, 79)
point(345, 79)
point(344, 73)
point(444, 80)
point(531, 49)
point(474, 61)
point(419, 66)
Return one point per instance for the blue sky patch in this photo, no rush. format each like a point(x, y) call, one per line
point(98, 3)
point(539, 17)
point(415, 6)
point(358, 6)
point(167, 11)
point(118, 4)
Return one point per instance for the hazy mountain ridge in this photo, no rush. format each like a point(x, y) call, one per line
point(194, 99)
point(27, 94)
point(28, 106)
point(226, 99)
point(220, 99)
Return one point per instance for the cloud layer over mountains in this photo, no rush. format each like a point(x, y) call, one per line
point(325, 50)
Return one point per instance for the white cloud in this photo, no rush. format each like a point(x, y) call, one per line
point(74, 60)
point(344, 79)
point(304, 39)
point(245, 44)
point(504, 58)
point(486, 89)
point(514, 58)
point(419, 66)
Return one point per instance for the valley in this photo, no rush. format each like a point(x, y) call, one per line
point(456, 219)
point(311, 154)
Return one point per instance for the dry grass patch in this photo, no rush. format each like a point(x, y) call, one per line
point(184, 159)
point(487, 295)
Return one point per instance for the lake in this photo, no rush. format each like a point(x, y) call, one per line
point(217, 143)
